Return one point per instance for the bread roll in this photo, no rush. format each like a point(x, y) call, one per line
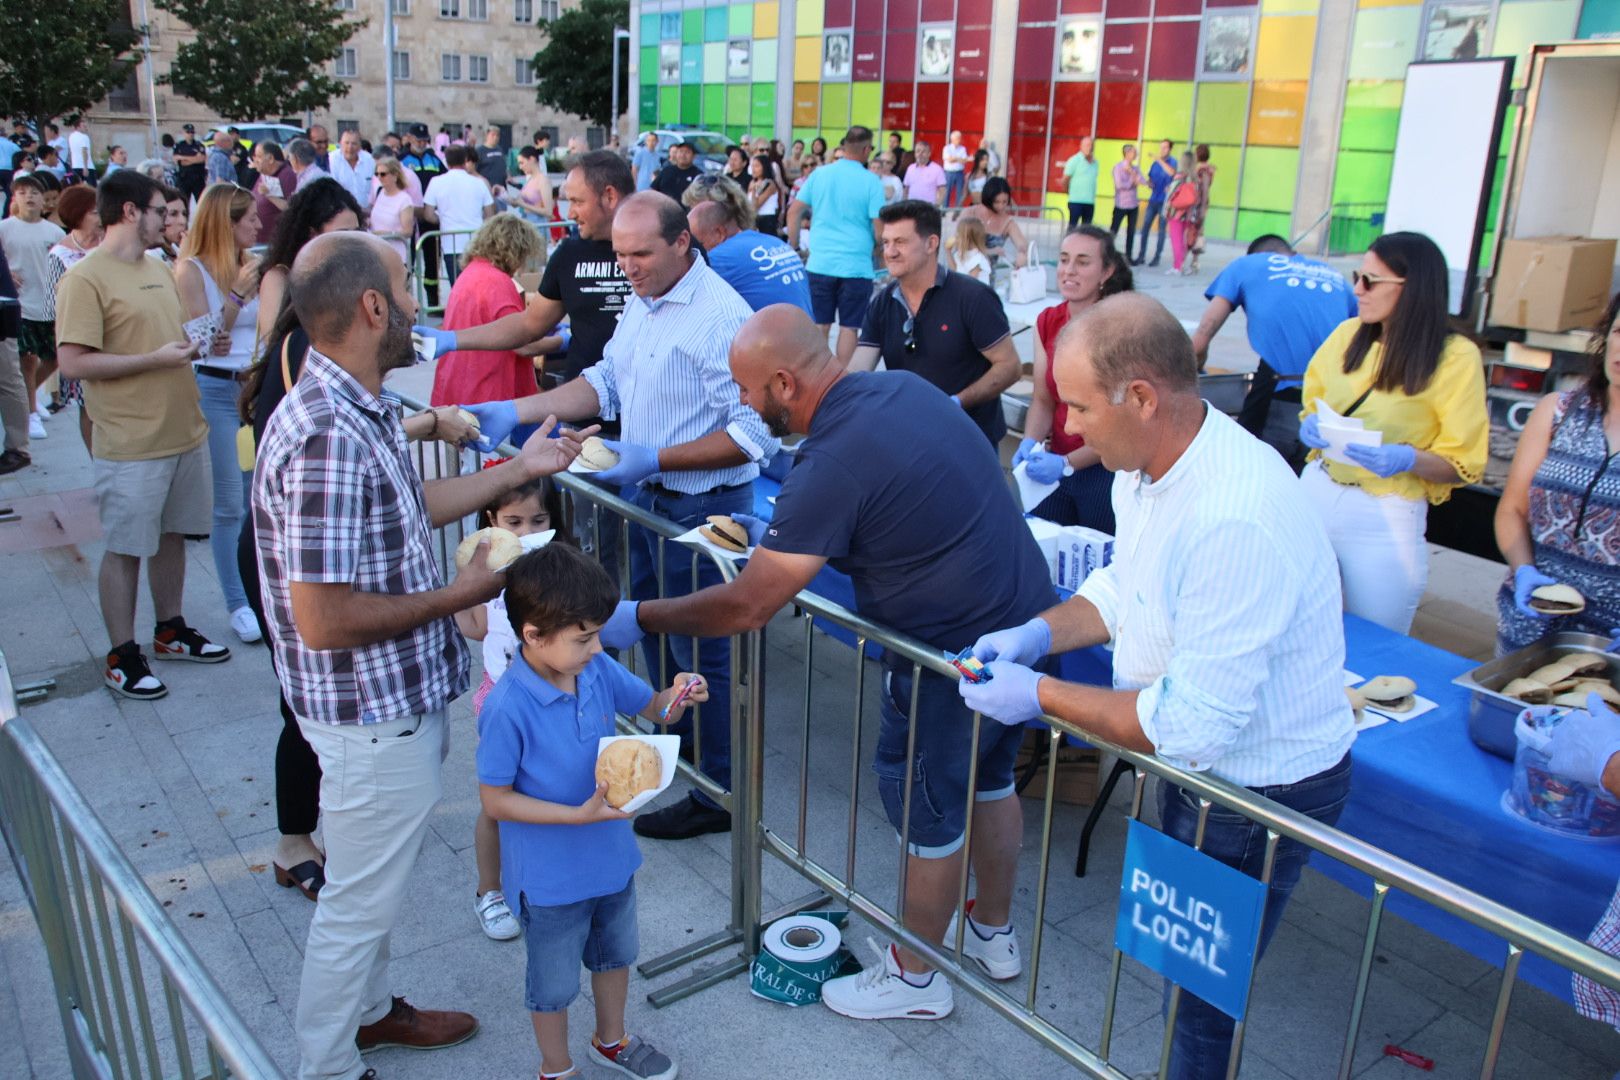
point(1392, 693)
point(628, 767)
point(594, 455)
point(1557, 600)
point(1531, 693)
point(504, 548)
point(469, 419)
point(724, 532)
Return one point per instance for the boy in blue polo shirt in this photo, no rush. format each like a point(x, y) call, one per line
point(571, 857)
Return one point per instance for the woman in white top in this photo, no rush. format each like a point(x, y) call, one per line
point(219, 279)
point(968, 250)
point(393, 214)
point(893, 189)
point(765, 194)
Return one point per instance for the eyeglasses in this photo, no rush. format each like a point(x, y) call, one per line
point(911, 337)
point(1371, 281)
point(160, 208)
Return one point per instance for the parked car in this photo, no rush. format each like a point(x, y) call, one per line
point(709, 146)
point(252, 133)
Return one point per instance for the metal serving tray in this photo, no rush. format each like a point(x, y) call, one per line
point(1491, 714)
point(1226, 389)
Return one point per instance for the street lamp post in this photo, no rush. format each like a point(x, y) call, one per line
point(619, 34)
point(388, 71)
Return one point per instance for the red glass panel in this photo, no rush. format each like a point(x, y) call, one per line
point(1072, 107)
point(1026, 163)
point(1030, 107)
point(838, 14)
point(967, 108)
point(1119, 110)
point(938, 11)
point(868, 65)
point(1161, 8)
point(1175, 51)
point(902, 14)
point(1124, 51)
point(1032, 52)
point(1032, 11)
point(1082, 7)
point(1230, 3)
point(933, 105)
point(973, 12)
point(1063, 149)
point(1117, 9)
point(869, 14)
point(900, 56)
point(898, 103)
point(972, 56)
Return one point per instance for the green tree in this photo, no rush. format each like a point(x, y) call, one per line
point(63, 56)
point(574, 72)
point(252, 59)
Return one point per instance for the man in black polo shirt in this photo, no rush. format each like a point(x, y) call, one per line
point(942, 325)
point(674, 178)
point(191, 159)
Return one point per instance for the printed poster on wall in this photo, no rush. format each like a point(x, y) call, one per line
point(836, 54)
point(1456, 31)
point(669, 62)
point(1079, 48)
point(1227, 51)
point(739, 60)
point(938, 50)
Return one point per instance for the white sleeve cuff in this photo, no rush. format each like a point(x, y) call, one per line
point(747, 444)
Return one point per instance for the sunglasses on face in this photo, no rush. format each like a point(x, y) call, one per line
point(1371, 281)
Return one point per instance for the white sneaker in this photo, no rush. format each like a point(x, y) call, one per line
point(36, 426)
point(496, 918)
point(880, 993)
point(245, 624)
point(42, 401)
point(997, 954)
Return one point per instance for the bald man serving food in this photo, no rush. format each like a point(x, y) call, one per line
point(1222, 607)
point(893, 488)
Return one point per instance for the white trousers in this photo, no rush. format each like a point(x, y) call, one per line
point(1383, 558)
point(379, 783)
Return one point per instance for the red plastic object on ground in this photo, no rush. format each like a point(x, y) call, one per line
point(1416, 1060)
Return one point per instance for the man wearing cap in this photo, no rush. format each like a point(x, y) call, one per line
point(192, 161)
point(674, 178)
point(421, 160)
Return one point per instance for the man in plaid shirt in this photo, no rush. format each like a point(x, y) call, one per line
point(360, 620)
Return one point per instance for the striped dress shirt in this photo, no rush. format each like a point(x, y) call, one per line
point(665, 376)
point(1224, 609)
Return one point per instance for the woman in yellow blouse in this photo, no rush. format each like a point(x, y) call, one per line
point(1397, 368)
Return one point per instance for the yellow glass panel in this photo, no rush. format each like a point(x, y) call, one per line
point(806, 104)
point(1287, 43)
point(1277, 113)
point(1274, 7)
point(807, 59)
point(766, 15)
point(808, 17)
point(1385, 3)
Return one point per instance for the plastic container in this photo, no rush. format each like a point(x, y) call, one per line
point(1550, 801)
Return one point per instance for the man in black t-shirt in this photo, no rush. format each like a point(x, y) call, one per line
point(492, 161)
point(191, 159)
point(674, 178)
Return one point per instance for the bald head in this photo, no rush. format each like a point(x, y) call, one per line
point(651, 241)
point(781, 364)
point(349, 288)
point(664, 212)
point(710, 224)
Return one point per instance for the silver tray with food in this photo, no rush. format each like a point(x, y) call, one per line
point(1560, 669)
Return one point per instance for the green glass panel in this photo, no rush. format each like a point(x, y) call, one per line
point(1223, 191)
point(1220, 223)
point(805, 133)
point(834, 107)
point(735, 132)
point(1599, 18)
point(763, 103)
point(649, 106)
point(669, 104)
point(866, 104)
point(1168, 113)
point(1372, 114)
point(1385, 41)
point(737, 111)
point(714, 62)
point(1253, 223)
point(1270, 177)
point(1523, 24)
point(691, 63)
point(1108, 155)
point(716, 23)
point(691, 105)
point(1509, 118)
point(692, 26)
point(1223, 111)
point(649, 65)
point(649, 27)
point(764, 58)
point(1362, 178)
point(740, 20)
point(714, 105)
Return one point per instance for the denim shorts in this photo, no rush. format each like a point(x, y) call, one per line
point(599, 933)
point(944, 752)
point(846, 297)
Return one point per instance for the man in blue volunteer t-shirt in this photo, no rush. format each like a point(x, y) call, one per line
point(878, 492)
point(1159, 176)
point(1292, 304)
point(843, 199)
point(763, 269)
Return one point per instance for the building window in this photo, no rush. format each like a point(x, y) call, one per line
point(478, 69)
point(348, 125)
point(345, 5)
point(525, 71)
point(347, 66)
point(449, 9)
point(402, 65)
point(549, 10)
point(402, 7)
point(523, 11)
point(450, 67)
point(478, 10)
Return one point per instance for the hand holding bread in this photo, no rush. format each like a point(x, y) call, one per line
point(597, 808)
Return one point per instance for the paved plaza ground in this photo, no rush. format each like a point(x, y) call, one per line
point(185, 784)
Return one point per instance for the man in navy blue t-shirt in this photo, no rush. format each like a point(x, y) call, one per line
point(893, 488)
point(763, 269)
point(1292, 304)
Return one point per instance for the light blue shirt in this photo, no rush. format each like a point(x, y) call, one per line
point(665, 376)
point(844, 199)
point(8, 150)
point(645, 162)
point(1224, 610)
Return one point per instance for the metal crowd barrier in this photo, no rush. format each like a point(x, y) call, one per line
point(422, 275)
point(134, 998)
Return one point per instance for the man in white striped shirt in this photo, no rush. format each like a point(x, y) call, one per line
point(1222, 605)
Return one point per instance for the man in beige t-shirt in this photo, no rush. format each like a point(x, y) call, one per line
point(119, 329)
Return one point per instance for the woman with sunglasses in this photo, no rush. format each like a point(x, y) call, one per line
point(1399, 369)
point(1558, 520)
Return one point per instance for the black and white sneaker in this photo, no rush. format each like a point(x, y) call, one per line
point(174, 640)
point(127, 674)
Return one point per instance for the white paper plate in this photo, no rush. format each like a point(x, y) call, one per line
point(697, 539)
point(669, 753)
point(579, 467)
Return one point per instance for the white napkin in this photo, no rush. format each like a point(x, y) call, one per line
point(1031, 492)
point(1341, 432)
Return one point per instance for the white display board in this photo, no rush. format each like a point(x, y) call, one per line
point(1445, 158)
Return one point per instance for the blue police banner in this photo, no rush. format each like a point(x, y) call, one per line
point(1192, 919)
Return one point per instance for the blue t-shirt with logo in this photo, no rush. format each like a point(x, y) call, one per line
point(1292, 304)
point(763, 270)
point(844, 199)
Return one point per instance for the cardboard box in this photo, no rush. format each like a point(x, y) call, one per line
point(1078, 769)
point(1079, 552)
point(1552, 283)
point(529, 283)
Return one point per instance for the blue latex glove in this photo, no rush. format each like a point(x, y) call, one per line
point(622, 631)
point(1383, 461)
point(1308, 433)
point(443, 340)
point(1023, 451)
point(1025, 644)
point(1010, 695)
point(754, 525)
point(1614, 646)
point(496, 419)
point(636, 463)
point(1525, 579)
point(1045, 467)
point(1581, 746)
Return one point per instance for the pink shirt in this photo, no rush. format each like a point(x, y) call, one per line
point(386, 211)
point(924, 181)
point(482, 293)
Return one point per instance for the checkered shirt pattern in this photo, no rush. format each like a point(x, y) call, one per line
point(336, 500)
point(1592, 1000)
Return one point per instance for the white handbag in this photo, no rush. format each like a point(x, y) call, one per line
point(1028, 284)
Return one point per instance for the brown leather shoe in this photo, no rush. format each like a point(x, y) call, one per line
point(416, 1029)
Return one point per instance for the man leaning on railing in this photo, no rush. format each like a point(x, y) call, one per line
point(1222, 606)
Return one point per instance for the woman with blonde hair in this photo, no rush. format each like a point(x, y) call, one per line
point(219, 279)
point(484, 291)
point(393, 213)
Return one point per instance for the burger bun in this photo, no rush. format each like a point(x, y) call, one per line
point(725, 533)
point(504, 548)
point(1557, 600)
point(628, 767)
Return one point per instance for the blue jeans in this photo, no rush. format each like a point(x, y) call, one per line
point(231, 484)
point(713, 661)
point(955, 187)
point(600, 933)
point(1155, 211)
point(1203, 1037)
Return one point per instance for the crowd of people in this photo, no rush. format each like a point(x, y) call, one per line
point(227, 346)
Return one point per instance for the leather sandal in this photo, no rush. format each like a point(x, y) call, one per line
point(307, 877)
